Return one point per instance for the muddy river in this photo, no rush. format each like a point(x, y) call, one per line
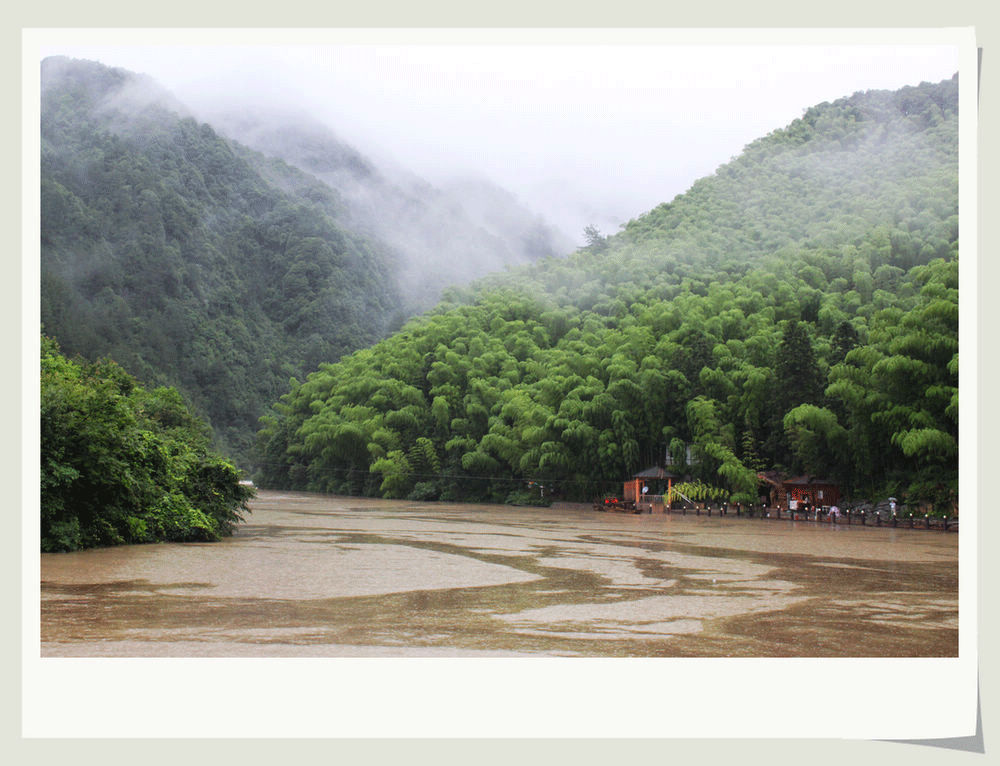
point(311, 575)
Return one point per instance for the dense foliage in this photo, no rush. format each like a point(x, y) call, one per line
point(189, 259)
point(120, 464)
point(797, 310)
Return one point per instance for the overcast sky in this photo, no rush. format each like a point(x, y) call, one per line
point(582, 131)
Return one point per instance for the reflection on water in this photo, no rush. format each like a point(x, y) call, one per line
point(321, 576)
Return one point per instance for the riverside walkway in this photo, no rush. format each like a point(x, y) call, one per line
point(654, 504)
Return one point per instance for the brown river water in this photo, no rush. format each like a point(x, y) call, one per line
point(320, 576)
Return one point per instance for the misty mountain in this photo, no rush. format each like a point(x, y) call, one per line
point(499, 212)
point(445, 235)
point(874, 159)
point(796, 310)
point(189, 259)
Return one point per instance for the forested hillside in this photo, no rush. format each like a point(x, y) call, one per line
point(189, 259)
point(444, 235)
point(797, 310)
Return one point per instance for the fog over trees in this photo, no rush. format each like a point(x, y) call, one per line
point(197, 262)
point(443, 235)
point(583, 127)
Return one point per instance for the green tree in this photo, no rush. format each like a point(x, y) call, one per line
point(594, 239)
point(120, 464)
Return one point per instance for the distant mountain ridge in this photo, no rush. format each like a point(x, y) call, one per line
point(446, 235)
point(845, 160)
point(223, 267)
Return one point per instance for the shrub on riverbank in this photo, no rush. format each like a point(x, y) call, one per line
point(120, 464)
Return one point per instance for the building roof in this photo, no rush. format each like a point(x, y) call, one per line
point(656, 473)
point(773, 478)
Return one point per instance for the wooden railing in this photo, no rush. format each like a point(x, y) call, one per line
point(821, 515)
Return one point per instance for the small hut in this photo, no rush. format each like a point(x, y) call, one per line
point(657, 483)
point(809, 490)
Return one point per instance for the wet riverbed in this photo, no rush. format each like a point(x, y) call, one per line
point(309, 575)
